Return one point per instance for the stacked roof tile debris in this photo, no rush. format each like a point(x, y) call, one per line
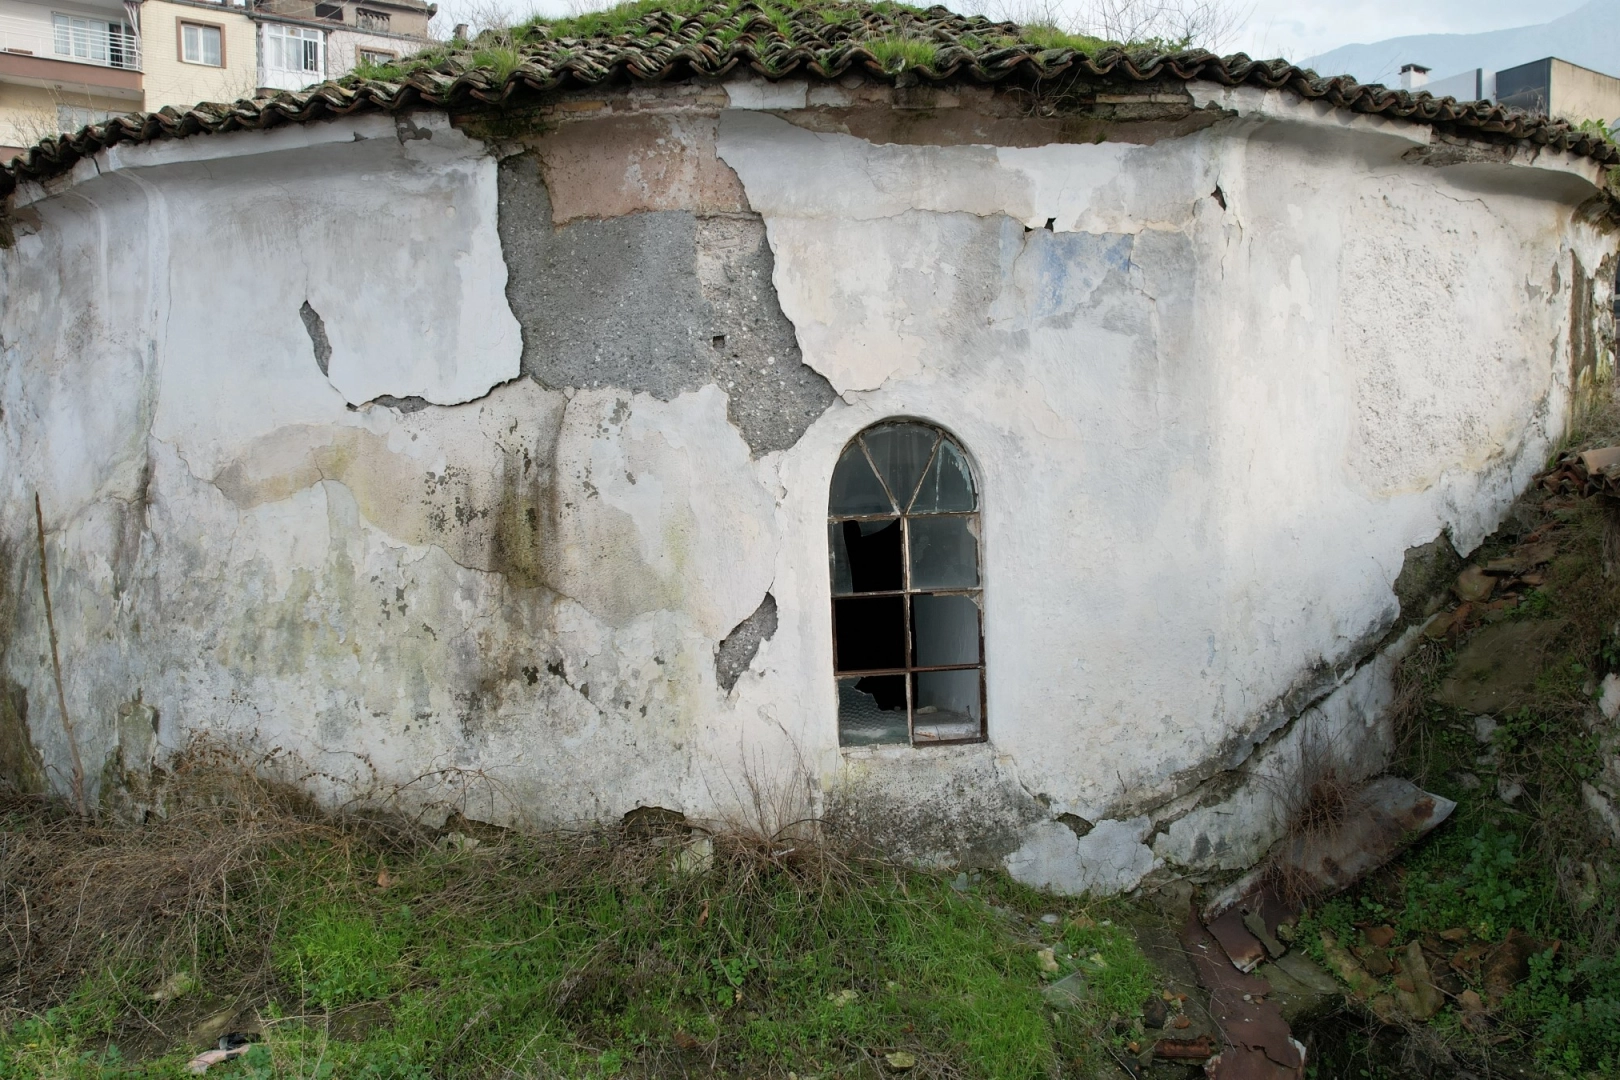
point(657, 42)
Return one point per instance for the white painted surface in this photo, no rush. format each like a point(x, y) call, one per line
point(754, 93)
point(1205, 439)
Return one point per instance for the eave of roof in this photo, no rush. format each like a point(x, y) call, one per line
point(664, 40)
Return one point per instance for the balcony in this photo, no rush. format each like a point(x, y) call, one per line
point(61, 49)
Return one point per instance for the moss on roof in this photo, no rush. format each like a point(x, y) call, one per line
point(664, 40)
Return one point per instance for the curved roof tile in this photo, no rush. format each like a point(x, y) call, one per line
point(663, 40)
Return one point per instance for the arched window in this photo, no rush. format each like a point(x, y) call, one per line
point(903, 545)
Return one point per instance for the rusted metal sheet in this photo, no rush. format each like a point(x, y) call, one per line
point(1184, 1049)
point(1256, 1041)
point(1386, 815)
point(1242, 947)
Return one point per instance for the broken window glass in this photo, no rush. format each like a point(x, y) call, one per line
point(867, 554)
point(872, 711)
point(947, 485)
point(871, 633)
point(903, 556)
point(948, 706)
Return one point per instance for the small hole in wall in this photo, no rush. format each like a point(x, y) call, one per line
point(1219, 196)
point(718, 341)
point(1050, 222)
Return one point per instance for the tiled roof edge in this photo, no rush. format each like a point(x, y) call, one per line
point(566, 63)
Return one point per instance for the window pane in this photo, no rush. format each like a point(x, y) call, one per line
point(944, 630)
point(865, 556)
point(948, 484)
point(948, 706)
point(944, 552)
point(872, 711)
point(855, 487)
point(871, 633)
point(838, 559)
point(901, 453)
point(210, 45)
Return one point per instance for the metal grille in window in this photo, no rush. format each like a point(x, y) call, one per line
point(903, 544)
point(370, 20)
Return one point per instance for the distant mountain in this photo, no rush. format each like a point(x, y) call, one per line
point(1588, 36)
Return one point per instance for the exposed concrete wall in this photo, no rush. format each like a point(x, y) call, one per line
point(505, 483)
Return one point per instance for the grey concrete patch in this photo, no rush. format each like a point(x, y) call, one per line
point(657, 302)
point(774, 395)
point(742, 644)
point(602, 303)
point(946, 807)
point(403, 404)
point(1425, 577)
point(317, 336)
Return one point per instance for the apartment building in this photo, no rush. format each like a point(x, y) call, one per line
point(198, 51)
point(67, 64)
point(303, 38)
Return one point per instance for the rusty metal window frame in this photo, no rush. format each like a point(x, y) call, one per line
point(907, 591)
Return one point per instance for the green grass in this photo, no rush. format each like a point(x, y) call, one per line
point(591, 956)
point(896, 53)
point(1045, 36)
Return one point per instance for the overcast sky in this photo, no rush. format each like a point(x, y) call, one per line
point(1284, 28)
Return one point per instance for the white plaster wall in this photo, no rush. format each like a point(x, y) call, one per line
point(1205, 438)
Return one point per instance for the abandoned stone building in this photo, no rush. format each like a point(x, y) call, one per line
point(1011, 452)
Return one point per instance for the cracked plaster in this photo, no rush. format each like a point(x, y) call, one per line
point(1206, 432)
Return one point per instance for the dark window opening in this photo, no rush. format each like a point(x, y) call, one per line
point(329, 12)
point(903, 553)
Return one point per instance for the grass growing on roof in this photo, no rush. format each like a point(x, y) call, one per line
point(370, 953)
point(1046, 36)
point(500, 60)
point(898, 52)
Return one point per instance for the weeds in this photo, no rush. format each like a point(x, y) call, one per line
point(372, 948)
point(1521, 858)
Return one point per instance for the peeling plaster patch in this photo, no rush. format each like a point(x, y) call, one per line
point(633, 164)
point(1091, 187)
point(763, 94)
point(742, 644)
point(1110, 858)
point(659, 303)
point(317, 335)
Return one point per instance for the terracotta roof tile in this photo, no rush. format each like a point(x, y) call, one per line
point(664, 41)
